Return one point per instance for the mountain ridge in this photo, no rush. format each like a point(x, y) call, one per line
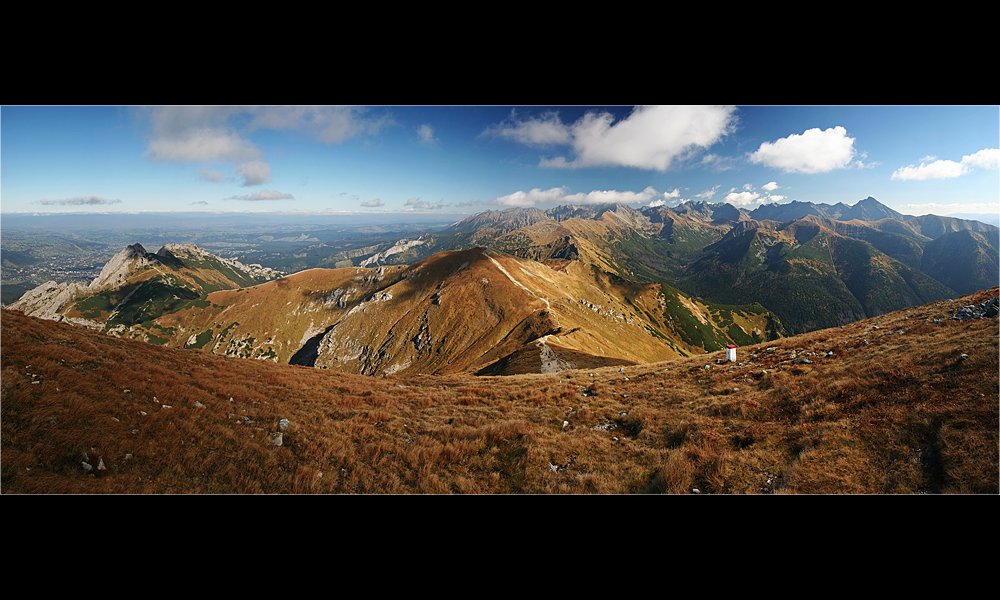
point(900, 404)
point(676, 245)
point(463, 310)
point(688, 279)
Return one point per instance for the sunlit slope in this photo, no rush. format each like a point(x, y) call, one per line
point(135, 287)
point(902, 404)
point(461, 311)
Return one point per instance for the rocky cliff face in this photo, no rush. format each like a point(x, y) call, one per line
point(55, 301)
point(116, 271)
point(194, 252)
point(47, 300)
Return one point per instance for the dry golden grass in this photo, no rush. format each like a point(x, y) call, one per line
point(903, 414)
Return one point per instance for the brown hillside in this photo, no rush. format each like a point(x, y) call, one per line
point(904, 403)
point(457, 311)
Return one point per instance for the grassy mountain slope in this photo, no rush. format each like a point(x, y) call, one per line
point(459, 311)
point(808, 275)
point(902, 404)
point(963, 260)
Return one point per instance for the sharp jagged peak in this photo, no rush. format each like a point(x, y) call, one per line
point(117, 269)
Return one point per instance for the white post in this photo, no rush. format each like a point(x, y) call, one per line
point(731, 353)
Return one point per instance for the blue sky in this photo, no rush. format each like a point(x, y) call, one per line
point(467, 159)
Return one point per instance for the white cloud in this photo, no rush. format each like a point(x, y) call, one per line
point(80, 201)
point(558, 195)
point(423, 204)
point(984, 159)
point(376, 202)
point(263, 195)
point(939, 169)
point(218, 134)
point(651, 137)
point(532, 197)
point(202, 145)
point(426, 134)
point(742, 198)
point(771, 186)
point(207, 174)
point(750, 197)
point(328, 124)
point(613, 197)
point(254, 172)
point(546, 129)
point(707, 194)
point(814, 151)
point(947, 169)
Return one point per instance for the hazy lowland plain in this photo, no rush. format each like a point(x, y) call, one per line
point(569, 351)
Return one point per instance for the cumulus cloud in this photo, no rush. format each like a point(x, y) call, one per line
point(770, 186)
point(559, 195)
point(546, 129)
point(80, 201)
point(708, 194)
point(201, 202)
point(749, 197)
point(947, 169)
point(374, 203)
point(263, 195)
point(532, 197)
point(663, 198)
point(218, 134)
point(651, 137)
point(422, 204)
point(814, 151)
point(328, 124)
point(254, 172)
point(202, 145)
point(984, 159)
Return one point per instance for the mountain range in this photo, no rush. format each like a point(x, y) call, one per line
point(531, 290)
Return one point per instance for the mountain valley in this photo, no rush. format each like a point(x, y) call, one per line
point(531, 290)
point(575, 350)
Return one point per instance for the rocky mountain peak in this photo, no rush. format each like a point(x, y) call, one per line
point(117, 269)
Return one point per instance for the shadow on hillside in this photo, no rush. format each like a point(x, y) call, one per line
point(306, 355)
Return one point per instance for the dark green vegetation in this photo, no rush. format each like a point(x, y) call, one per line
point(811, 278)
point(965, 261)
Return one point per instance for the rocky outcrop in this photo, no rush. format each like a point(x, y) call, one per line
point(194, 252)
point(50, 300)
point(47, 300)
point(983, 310)
point(117, 270)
